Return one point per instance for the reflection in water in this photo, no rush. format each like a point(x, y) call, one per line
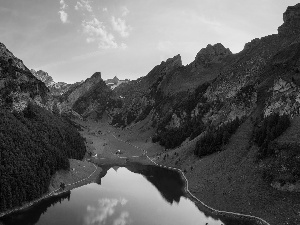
point(32, 214)
point(168, 182)
point(124, 196)
point(105, 209)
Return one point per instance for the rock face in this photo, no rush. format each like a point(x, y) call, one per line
point(291, 19)
point(73, 95)
point(173, 63)
point(43, 76)
point(89, 99)
point(211, 54)
point(18, 86)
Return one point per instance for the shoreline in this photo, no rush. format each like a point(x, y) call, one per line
point(53, 193)
point(105, 147)
point(192, 197)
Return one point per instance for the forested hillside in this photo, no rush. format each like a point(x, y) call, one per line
point(34, 144)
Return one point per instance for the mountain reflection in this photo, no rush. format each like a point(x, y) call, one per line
point(167, 182)
point(32, 214)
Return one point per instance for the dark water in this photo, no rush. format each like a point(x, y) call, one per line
point(136, 195)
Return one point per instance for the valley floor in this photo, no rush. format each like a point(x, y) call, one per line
point(229, 180)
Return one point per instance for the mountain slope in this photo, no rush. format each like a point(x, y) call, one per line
point(218, 86)
point(34, 142)
point(89, 99)
point(250, 164)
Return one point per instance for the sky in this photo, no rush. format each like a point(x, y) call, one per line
point(72, 39)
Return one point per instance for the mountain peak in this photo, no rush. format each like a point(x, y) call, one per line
point(176, 58)
point(212, 53)
point(96, 74)
point(172, 63)
point(291, 21)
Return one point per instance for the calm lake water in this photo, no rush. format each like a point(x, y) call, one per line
point(136, 195)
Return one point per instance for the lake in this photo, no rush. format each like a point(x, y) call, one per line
point(135, 195)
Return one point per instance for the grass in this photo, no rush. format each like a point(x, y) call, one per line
point(231, 180)
point(78, 170)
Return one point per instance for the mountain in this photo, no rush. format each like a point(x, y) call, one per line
point(212, 96)
point(89, 99)
point(229, 121)
point(34, 141)
point(85, 99)
point(56, 88)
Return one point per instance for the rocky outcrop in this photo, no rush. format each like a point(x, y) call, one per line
point(172, 63)
point(291, 19)
point(43, 76)
point(211, 54)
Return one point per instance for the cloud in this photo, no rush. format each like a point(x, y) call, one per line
point(106, 208)
point(123, 201)
point(62, 13)
point(63, 5)
point(105, 9)
point(123, 46)
point(63, 16)
point(96, 31)
point(124, 11)
point(122, 219)
point(120, 26)
point(84, 5)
